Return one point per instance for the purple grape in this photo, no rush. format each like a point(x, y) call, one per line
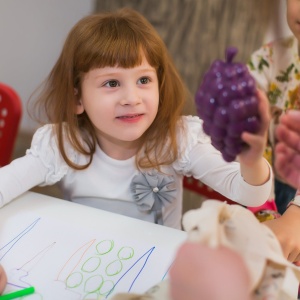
point(227, 102)
point(207, 126)
point(242, 109)
point(228, 157)
point(235, 129)
point(221, 116)
point(233, 142)
point(217, 132)
point(209, 105)
point(218, 144)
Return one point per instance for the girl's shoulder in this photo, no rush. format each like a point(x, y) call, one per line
point(44, 135)
point(190, 135)
point(190, 131)
point(45, 144)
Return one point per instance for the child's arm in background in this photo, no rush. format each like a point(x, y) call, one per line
point(287, 164)
point(254, 168)
point(287, 228)
point(3, 279)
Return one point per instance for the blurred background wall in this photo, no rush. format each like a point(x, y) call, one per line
point(196, 32)
point(31, 36)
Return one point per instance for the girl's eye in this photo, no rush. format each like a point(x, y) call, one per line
point(144, 80)
point(112, 83)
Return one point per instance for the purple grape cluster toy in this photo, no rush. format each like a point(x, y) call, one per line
point(227, 103)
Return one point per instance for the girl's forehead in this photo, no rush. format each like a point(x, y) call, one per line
point(144, 67)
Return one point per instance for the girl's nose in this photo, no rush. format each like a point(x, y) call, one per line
point(131, 96)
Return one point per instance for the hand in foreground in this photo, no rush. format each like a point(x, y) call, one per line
point(287, 228)
point(200, 272)
point(3, 279)
point(287, 150)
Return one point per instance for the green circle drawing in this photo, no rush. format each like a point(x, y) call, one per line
point(107, 287)
point(93, 284)
point(91, 264)
point(114, 268)
point(74, 280)
point(125, 253)
point(105, 247)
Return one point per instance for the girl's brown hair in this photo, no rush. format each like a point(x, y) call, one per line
point(120, 39)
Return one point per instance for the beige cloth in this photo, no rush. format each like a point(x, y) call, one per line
point(157, 292)
point(217, 223)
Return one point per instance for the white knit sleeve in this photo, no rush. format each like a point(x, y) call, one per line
point(42, 165)
point(189, 134)
point(202, 161)
point(44, 146)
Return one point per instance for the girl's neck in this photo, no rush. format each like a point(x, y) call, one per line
point(118, 151)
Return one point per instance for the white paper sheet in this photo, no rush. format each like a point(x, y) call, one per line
point(66, 261)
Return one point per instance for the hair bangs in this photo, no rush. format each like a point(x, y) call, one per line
point(117, 44)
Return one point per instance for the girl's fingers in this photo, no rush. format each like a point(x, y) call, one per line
point(264, 111)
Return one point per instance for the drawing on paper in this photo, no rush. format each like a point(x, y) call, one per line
point(77, 265)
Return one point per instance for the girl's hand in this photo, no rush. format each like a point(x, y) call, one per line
point(257, 142)
point(287, 150)
point(254, 168)
point(287, 228)
point(3, 279)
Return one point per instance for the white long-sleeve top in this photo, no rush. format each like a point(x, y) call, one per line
point(118, 186)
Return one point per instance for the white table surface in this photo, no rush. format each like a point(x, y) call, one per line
point(62, 215)
point(86, 218)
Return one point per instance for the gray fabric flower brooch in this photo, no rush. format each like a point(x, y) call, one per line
point(152, 191)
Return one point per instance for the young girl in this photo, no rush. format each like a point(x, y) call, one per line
point(116, 138)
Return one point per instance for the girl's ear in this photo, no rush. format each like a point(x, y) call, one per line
point(79, 107)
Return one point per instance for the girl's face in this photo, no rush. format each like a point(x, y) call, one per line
point(121, 104)
point(293, 17)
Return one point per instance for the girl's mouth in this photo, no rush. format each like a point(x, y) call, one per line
point(130, 118)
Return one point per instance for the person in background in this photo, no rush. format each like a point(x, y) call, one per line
point(3, 279)
point(276, 68)
point(116, 138)
point(287, 163)
point(287, 150)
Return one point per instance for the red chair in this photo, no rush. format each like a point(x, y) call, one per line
point(10, 116)
point(195, 185)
